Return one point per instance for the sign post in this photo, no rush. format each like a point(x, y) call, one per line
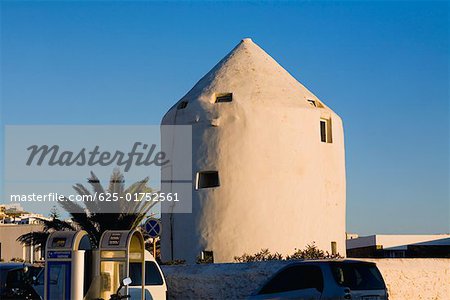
point(153, 228)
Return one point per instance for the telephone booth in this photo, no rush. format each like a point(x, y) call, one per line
point(121, 252)
point(66, 275)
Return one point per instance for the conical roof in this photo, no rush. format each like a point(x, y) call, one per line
point(251, 75)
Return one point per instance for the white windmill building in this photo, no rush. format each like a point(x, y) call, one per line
point(268, 164)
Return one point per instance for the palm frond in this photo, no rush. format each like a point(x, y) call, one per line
point(91, 206)
point(95, 183)
point(139, 188)
point(36, 238)
point(126, 214)
point(71, 207)
point(85, 222)
point(56, 225)
point(116, 182)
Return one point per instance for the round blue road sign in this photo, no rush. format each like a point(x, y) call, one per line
point(153, 227)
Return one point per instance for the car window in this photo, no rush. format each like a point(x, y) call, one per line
point(136, 274)
point(358, 276)
point(39, 278)
point(34, 272)
point(16, 278)
point(3, 275)
point(295, 278)
point(152, 274)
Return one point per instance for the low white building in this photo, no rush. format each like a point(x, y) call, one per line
point(32, 219)
point(399, 246)
point(23, 218)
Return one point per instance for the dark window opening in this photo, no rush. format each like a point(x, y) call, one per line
point(182, 105)
point(325, 131)
point(207, 179)
point(58, 242)
point(226, 97)
point(333, 248)
point(207, 257)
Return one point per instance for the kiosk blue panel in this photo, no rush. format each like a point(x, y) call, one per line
point(58, 283)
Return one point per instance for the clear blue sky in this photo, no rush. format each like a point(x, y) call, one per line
point(382, 66)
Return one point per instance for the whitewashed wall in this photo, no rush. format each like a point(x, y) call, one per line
point(409, 279)
point(416, 278)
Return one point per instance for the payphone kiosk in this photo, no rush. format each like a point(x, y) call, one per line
point(67, 253)
point(121, 256)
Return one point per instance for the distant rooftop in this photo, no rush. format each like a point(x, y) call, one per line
point(398, 241)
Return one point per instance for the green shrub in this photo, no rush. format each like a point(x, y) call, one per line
point(310, 252)
point(263, 255)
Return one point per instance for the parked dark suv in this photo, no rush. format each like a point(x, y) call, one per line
point(325, 279)
point(16, 280)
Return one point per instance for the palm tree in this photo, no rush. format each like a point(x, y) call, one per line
point(39, 238)
point(126, 216)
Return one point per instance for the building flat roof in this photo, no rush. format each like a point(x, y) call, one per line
point(398, 241)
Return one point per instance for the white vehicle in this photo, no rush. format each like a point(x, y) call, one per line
point(155, 284)
point(325, 280)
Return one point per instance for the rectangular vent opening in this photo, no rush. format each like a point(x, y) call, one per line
point(207, 257)
point(207, 179)
point(315, 103)
point(182, 105)
point(325, 131)
point(224, 97)
point(312, 102)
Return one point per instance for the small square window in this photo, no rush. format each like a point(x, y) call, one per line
point(325, 131)
point(207, 179)
point(333, 248)
point(207, 257)
point(224, 97)
point(182, 105)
